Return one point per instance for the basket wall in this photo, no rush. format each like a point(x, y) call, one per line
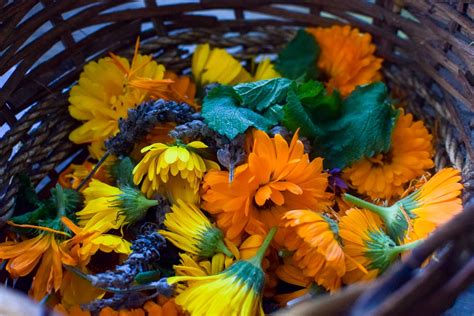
point(427, 47)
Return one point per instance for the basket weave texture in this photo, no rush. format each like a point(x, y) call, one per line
point(429, 60)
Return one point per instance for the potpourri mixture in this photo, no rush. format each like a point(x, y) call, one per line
point(230, 190)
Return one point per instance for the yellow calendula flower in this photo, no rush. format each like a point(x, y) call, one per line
point(76, 290)
point(190, 230)
point(107, 89)
point(108, 207)
point(173, 170)
point(265, 70)
point(217, 65)
point(237, 290)
point(417, 215)
point(87, 243)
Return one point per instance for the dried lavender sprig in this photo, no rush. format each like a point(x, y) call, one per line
point(145, 252)
point(138, 124)
point(142, 119)
point(131, 298)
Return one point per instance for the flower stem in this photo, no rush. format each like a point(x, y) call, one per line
point(60, 201)
point(379, 210)
point(221, 247)
point(257, 259)
point(393, 252)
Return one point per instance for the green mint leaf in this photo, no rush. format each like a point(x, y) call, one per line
point(298, 59)
point(363, 130)
point(297, 116)
point(26, 198)
point(224, 114)
point(262, 94)
point(122, 172)
point(44, 210)
point(321, 105)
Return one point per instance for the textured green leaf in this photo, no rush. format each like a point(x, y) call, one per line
point(342, 133)
point(262, 94)
point(363, 130)
point(320, 105)
point(297, 116)
point(223, 113)
point(298, 58)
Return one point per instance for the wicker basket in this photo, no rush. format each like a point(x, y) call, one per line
point(428, 52)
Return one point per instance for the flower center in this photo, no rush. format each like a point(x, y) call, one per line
point(266, 206)
point(382, 159)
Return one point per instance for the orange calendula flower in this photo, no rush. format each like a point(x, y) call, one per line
point(73, 175)
point(384, 175)
point(346, 58)
point(162, 306)
point(371, 250)
point(317, 252)
point(182, 87)
point(417, 215)
point(277, 178)
point(48, 251)
point(291, 274)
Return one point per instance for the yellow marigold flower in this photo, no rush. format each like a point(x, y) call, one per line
point(107, 207)
point(107, 89)
point(86, 243)
point(317, 252)
point(417, 215)
point(265, 70)
point(174, 170)
point(76, 290)
point(237, 290)
point(193, 266)
point(190, 265)
point(190, 230)
point(217, 65)
point(346, 58)
point(46, 249)
point(384, 175)
point(277, 178)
